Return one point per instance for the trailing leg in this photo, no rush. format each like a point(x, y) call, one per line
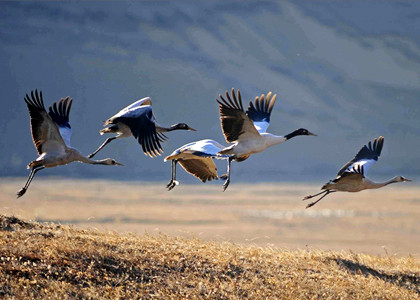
point(315, 202)
point(101, 146)
point(311, 196)
point(22, 191)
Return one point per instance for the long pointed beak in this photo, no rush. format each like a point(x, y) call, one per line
point(118, 164)
point(310, 133)
point(192, 129)
point(409, 180)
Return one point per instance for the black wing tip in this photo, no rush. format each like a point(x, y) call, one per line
point(59, 111)
point(35, 99)
point(161, 137)
point(63, 108)
point(379, 145)
point(262, 106)
point(151, 145)
point(232, 101)
point(235, 99)
point(372, 150)
point(152, 153)
point(376, 146)
point(265, 103)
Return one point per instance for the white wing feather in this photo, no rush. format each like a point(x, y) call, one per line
point(130, 111)
point(202, 148)
point(65, 134)
point(261, 126)
point(141, 102)
point(366, 163)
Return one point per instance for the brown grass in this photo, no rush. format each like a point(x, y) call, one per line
point(56, 261)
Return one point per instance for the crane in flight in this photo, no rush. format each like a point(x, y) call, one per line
point(197, 159)
point(247, 131)
point(138, 120)
point(351, 177)
point(51, 133)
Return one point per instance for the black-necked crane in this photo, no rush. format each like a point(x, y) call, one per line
point(138, 120)
point(247, 130)
point(351, 177)
point(197, 159)
point(51, 133)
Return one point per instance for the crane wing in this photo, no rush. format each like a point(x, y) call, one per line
point(204, 148)
point(138, 103)
point(201, 167)
point(45, 133)
point(260, 112)
point(142, 102)
point(364, 159)
point(235, 123)
point(200, 149)
point(60, 115)
point(143, 127)
point(130, 110)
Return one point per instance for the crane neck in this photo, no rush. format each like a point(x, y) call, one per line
point(376, 185)
point(165, 129)
point(77, 156)
point(271, 139)
point(99, 162)
point(292, 134)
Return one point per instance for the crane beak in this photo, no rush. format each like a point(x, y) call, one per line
point(118, 164)
point(409, 180)
point(310, 133)
point(192, 129)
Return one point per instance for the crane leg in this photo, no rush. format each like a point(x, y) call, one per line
point(101, 146)
point(311, 196)
point(173, 183)
point(315, 202)
point(227, 182)
point(22, 191)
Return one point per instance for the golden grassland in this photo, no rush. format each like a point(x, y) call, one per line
point(59, 261)
point(253, 241)
point(267, 215)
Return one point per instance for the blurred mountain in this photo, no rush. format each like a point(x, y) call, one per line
point(346, 70)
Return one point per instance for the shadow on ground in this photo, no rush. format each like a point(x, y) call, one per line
point(404, 280)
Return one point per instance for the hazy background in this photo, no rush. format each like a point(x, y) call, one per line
point(348, 71)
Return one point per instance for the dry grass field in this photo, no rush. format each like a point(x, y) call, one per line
point(116, 240)
point(373, 222)
point(49, 261)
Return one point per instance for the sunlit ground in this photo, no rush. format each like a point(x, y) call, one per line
point(376, 222)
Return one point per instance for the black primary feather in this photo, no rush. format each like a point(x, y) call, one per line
point(369, 151)
point(261, 110)
point(38, 114)
point(231, 115)
point(144, 130)
point(60, 114)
